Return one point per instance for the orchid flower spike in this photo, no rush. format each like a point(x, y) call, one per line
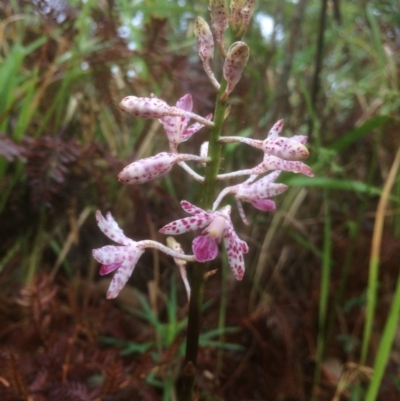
point(235, 61)
point(256, 193)
point(123, 258)
point(205, 47)
point(216, 225)
point(153, 167)
point(219, 21)
point(152, 107)
point(291, 149)
point(176, 127)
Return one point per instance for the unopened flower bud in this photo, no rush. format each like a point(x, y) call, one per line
point(241, 13)
point(205, 41)
point(236, 60)
point(205, 47)
point(285, 148)
point(146, 107)
point(150, 168)
point(219, 20)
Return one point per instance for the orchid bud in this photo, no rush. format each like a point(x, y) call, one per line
point(153, 167)
point(241, 13)
point(205, 47)
point(205, 41)
point(219, 20)
point(285, 148)
point(236, 60)
point(146, 107)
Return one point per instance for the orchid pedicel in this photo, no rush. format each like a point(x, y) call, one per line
point(210, 222)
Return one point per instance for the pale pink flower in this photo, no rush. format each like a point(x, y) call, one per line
point(290, 149)
point(176, 127)
point(123, 258)
point(216, 225)
point(257, 193)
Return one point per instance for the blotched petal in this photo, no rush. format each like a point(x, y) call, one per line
point(275, 163)
point(235, 248)
point(204, 248)
point(123, 273)
point(285, 148)
point(110, 228)
point(185, 225)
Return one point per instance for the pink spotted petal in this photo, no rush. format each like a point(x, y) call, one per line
point(275, 163)
point(285, 148)
point(235, 249)
point(266, 205)
point(192, 129)
point(111, 229)
point(110, 254)
point(276, 129)
point(185, 102)
point(185, 225)
point(123, 273)
point(300, 138)
point(175, 125)
point(192, 209)
point(105, 269)
point(204, 248)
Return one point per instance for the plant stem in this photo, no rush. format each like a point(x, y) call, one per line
point(188, 375)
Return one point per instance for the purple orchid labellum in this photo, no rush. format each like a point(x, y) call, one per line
point(176, 127)
point(153, 167)
point(217, 225)
point(290, 149)
point(122, 258)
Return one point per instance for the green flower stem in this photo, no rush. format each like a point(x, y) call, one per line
point(196, 275)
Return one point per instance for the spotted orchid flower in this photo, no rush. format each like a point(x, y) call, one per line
point(123, 258)
point(216, 225)
point(153, 107)
point(153, 167)
point(257, 193)
point(176, 127)
point(290, 149)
